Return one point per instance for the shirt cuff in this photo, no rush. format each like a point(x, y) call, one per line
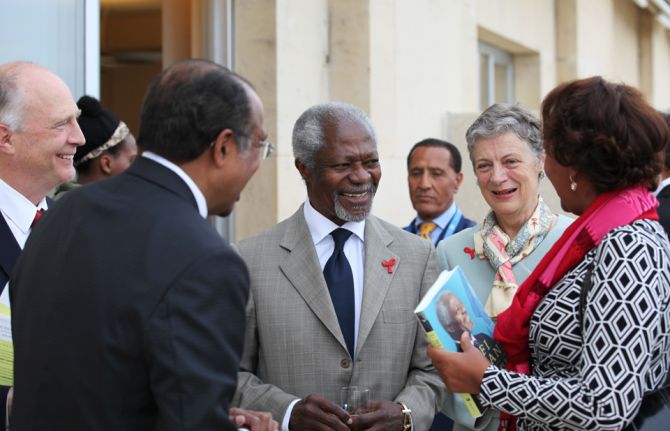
point(287, 416)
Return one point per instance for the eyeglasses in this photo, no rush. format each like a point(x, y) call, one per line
point(266, 149)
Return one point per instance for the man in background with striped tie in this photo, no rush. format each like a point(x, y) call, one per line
point(434, 175)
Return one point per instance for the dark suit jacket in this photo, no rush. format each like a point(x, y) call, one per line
point(664, 209)
point(135, 320)
point(9, 250)
point(9, 253)
point(463, 224)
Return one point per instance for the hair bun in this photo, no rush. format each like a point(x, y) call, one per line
point(89, 106)
point(98, 126)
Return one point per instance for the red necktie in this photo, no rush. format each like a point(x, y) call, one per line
point(38, 214)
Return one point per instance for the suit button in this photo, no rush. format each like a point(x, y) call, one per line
point(345, 363)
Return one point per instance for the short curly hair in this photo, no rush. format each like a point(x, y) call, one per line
point(501, 118)
point(605, 131)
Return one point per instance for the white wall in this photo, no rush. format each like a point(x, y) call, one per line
point(302, 81)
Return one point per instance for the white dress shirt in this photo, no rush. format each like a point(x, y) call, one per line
point(354, 249)
point(18, 212)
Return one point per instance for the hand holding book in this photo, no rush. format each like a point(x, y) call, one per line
point(460, 371)
point(453, 318)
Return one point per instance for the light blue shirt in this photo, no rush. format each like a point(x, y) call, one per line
point(441, 221)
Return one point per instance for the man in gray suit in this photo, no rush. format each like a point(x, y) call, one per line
point(328, 310)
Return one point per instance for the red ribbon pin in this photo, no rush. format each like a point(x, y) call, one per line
point(470, 251)
point(388, 264)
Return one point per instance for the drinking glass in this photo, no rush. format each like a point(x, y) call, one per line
point(353, 398)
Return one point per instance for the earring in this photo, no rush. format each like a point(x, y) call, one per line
point(542, 175)
point(573, 184)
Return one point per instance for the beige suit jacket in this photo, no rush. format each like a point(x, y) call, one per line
point(293, 343)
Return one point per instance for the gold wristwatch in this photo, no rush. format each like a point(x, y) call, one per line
point(407, 417)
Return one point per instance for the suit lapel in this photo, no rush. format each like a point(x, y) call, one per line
point(411, 228)
point(9, 252)
point(301, 267)
point(10, 249)
point(377, 278)
point(664, 193)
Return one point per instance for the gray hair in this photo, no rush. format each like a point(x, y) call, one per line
point(501, 118)
point(309, 130)
point(11, 102)
point(443, 315)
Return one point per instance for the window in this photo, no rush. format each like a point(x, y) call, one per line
point(496, 76)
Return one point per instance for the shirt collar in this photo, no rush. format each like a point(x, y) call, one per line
point(662, 185)
point(443, 219)
point(197, 193)
point(320, 227)
point(18, 208)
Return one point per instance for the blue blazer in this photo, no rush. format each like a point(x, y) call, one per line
point(480, 274)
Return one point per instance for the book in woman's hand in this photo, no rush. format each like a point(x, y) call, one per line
point(451, 308)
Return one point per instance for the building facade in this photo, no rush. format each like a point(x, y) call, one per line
point(419, 68)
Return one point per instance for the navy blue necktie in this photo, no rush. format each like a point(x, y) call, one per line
point(340, 281)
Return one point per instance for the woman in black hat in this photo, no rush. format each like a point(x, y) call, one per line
point(110, 147)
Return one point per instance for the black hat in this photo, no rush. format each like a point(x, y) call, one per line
point(101, 129)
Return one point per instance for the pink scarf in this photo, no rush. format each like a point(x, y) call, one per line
point(609, 211)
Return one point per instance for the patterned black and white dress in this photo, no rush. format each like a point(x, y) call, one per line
point(595, 381)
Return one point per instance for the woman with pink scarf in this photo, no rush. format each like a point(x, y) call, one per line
point(587, 335)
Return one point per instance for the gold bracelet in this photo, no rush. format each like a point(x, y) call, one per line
point(407, 417)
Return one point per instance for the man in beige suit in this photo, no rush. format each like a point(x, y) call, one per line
point(322, 316)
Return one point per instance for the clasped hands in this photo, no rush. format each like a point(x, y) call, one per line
point(460, 371)
point(315, 413)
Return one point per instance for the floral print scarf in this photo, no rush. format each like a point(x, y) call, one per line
point(502, 252)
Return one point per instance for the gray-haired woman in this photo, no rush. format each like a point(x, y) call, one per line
point(507, 155)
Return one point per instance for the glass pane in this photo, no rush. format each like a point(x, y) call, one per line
point(483, 81)
point(501, 79)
